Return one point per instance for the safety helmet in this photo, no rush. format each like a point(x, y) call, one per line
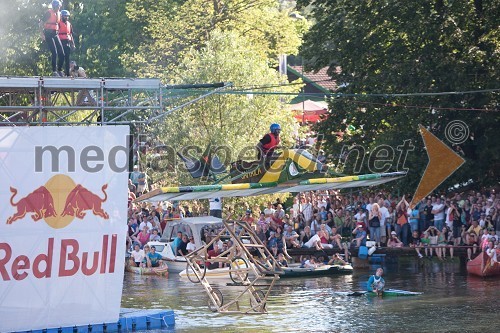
point(56, 3)
point(275, 127)
point(65, 13)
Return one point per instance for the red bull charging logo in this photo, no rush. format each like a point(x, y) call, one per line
point(58, 202)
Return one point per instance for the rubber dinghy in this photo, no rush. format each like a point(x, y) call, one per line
point(387, 293)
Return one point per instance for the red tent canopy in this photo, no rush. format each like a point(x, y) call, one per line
point(309, 110)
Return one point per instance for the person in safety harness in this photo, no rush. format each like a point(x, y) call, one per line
point(269, 142)
point(66, 37)
point(49, 27)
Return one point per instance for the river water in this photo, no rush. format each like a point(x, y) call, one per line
point(452, 301)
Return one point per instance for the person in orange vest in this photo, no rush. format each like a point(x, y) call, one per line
point(269, 142)
point(50, 28)
point(66, 37)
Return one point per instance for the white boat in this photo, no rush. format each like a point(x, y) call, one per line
point(211, 274)
point(192, 226)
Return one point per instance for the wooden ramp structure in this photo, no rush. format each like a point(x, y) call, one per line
point(248, 261)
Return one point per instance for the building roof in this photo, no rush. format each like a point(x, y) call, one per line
point(320, 78)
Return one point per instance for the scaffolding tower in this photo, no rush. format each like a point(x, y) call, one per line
point(28, 101)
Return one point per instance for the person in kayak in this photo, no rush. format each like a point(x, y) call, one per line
point(376, 282)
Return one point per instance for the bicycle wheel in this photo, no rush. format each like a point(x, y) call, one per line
point(258, 299)
point(219, 300)
point(238, 270)
point(198, 265)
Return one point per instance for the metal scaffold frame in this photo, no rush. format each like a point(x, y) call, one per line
point(105, 101)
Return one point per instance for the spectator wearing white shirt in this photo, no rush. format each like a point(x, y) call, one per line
point(215, 207)
point(482, 220)
point(488, 206)
point(438, 211)
point(295, 208)
point(492, 252)
point(384, 214)
point(146, 223)
point(279, 211)
point(269, 211)
point(307, 210)
point(321, 202)
point(136, 256)
point(360, 216)
point(191, 246)
point(315, 224)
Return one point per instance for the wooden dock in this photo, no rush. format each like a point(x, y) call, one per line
point(459, 251)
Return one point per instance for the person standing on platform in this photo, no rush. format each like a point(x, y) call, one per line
point(66, 37)
point(49, 27)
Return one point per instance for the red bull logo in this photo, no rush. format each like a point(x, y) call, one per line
point(58, 202)
point(39, 202)
point(71, 260)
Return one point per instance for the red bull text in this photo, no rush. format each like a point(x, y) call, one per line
point(71, 260)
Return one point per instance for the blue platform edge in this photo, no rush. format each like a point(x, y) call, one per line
point(130, 320)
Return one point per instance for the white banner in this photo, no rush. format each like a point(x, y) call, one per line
point(63, 216)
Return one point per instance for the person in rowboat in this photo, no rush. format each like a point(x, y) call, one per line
point(376, 283)
point(337, 260)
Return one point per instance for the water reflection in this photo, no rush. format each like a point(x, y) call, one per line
point(452, 301)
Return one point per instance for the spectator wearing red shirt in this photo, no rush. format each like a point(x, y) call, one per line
point(215, 252)
point(248, 218)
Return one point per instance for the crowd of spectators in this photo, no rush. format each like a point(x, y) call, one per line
point(331, 220)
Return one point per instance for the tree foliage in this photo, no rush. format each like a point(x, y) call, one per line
point(102, 31)
point(407, 47)
point(21, 48)
point(174, 27)
point(233, 124)
point(104, 34)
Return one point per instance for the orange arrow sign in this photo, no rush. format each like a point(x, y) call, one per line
point(443, 161)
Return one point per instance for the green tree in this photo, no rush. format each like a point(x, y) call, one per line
point(22, 51)
point(104, 34)
point(174, 27)
point(393, 47)
point(234, 123)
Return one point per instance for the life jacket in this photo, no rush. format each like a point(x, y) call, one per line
point(52, 22)
point(65, 31)
point(275, 141)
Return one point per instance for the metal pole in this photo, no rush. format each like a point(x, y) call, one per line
point(102, 102)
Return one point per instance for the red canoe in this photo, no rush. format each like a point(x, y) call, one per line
point(481, 266)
